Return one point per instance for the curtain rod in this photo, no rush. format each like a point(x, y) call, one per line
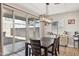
point(19, 9)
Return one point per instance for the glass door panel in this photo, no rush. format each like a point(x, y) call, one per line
point(7, 25)
point(34, 26)
point(37, 28)
point(20, 32)
point(31, 27)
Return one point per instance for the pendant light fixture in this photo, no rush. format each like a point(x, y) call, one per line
point(46, 16)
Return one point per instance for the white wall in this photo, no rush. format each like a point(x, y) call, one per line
point(63, 23)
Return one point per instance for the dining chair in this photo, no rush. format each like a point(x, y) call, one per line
point(36, 47)
point(53, 48)
point(57, 44)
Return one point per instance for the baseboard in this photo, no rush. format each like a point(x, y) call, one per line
point(70, 46)
point(63, 45)
point(67, 46)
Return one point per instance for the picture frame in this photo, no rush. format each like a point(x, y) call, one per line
point(71, 21)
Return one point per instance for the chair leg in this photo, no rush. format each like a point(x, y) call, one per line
point(58, 50)
point(26, 49)
point(52, 51)
point(30, 51)
point(55, 52)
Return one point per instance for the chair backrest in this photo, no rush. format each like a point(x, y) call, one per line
point(58, 41)
point(36, 49)
point(55, 42)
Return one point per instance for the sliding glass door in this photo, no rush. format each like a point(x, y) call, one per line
point(17, 29)
point(14, 32)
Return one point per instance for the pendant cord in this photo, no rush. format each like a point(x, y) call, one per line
point(47, 9)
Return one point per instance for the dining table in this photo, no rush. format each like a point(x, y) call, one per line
point(46, 43)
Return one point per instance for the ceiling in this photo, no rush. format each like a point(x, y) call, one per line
point(40, 8)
